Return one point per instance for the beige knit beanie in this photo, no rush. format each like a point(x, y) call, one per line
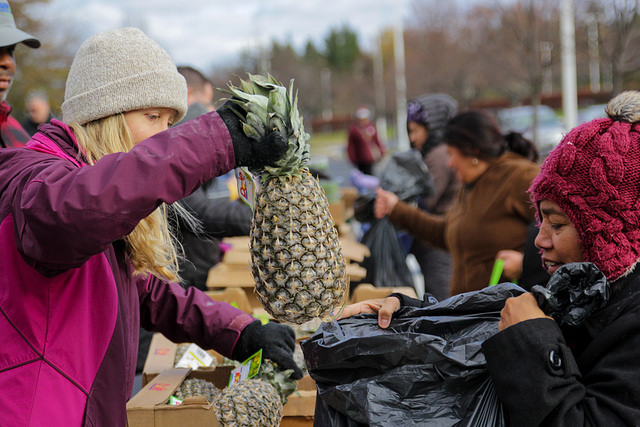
point(118, 71)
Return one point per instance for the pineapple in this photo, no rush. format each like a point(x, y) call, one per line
point(197, 387)
point(249, 403)
point(281, 380)
point(297, 261)
point(181, 349)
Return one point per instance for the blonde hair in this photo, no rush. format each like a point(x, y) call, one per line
point(151, 246)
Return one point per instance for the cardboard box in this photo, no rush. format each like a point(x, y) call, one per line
point(238, 243)
point(240, 255)
point(301, 405)
point(338, 212)
point(234, 296)
point(234, 272)
point(237, 257)
point(298, 421)
point(365, 291)
point(356, 272)
point(349, 196)
point(161, 357)
point(353, 250)
point(149, 408)
point(227, 275)
point(224, 275)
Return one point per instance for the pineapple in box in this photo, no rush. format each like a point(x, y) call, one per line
point(197, 387)
point(297, 261)
point(250, 403)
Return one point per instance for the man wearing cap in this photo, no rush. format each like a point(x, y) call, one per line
point(11, 133)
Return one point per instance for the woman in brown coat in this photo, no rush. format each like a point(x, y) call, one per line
point(427, 117)
point(492, 210)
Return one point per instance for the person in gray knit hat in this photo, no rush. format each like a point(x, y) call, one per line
point(86, 252)
point(11, 132)
point(140, 76)
point(427, 117)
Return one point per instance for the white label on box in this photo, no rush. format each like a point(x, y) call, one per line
point(194, 358)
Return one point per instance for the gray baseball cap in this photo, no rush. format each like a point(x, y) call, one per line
point(9, 34)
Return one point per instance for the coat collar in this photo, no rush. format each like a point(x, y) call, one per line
point(624, 292)
point(58, 139)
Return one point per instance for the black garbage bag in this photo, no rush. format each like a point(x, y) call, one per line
point(573, 292)
point(407, 175)
point(387, 265)
point(426, 369)
point(363, 208)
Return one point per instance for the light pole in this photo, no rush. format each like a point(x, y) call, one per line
point(569, 85)
point(401, 88)
point(594, 53)
point(378, 82)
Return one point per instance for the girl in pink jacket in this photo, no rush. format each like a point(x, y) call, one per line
point(86, 255)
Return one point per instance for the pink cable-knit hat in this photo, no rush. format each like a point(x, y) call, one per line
point(594, 176)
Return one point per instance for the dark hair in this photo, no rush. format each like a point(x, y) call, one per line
point(517, 143)
point(477, 134)
point(195, 79)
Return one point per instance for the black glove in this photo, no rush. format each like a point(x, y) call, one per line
point(277, 342)
point(249, 152)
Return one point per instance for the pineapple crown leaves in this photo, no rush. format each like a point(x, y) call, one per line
point(280, 380)
point(269, 106)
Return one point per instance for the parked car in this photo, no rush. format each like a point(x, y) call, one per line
point(550, 128)
point(591, 112)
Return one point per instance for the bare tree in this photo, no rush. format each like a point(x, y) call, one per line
point(620, 36)
point(433, 51)
point(45, 68)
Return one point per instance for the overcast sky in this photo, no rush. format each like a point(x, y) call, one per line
point(208, 33)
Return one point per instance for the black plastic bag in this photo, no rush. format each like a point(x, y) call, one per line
point(426, 369)
point(573, 292)
point(363, 208)
point(407, 175)
point(387, 265)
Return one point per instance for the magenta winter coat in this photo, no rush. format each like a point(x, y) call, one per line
point(70, 308)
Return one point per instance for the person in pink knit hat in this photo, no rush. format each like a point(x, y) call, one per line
point(552, 370)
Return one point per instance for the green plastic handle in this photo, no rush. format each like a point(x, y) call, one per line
point(496, 272)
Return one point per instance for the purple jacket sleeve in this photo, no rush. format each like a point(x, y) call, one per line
point(189, 315)
point(67, 214)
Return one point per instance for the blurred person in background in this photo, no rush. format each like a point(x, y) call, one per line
point(524, 267)
point(492, 210)
point(364, 147)
point(200, 92)
point(427, 117)
point(11, 132)
point(38, 111)
point(219, 215)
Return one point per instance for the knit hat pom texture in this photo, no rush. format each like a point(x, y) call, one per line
point(118, 71)
point(594, 176)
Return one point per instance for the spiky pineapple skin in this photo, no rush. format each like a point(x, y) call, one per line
point(250, 403)
point(197, 387)
point(297, 262)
